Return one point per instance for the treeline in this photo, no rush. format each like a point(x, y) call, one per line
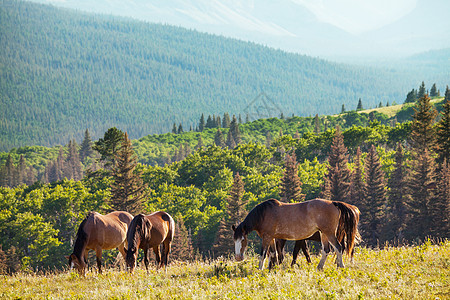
point(62, 72)
point(397, 176)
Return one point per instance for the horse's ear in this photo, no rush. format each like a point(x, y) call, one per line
point(233, 227)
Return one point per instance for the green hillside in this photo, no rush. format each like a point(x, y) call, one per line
point(62, 72)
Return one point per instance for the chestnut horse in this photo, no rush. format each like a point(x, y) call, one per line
point(273, 219)
point(149, 231)
point(99, 232)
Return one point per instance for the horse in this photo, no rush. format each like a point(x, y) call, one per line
point(99, 232)
point(273, 219)
point(150, 231)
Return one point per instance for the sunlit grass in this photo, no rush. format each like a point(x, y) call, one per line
point(391, 110)
point(420, 272)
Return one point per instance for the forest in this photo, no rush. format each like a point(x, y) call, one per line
point(395, 172)
point(62, 71)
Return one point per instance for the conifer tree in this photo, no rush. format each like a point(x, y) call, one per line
point(411, 97)
point(269, 139)
point(21, 170)
point(397, 196)
point(338, 171)
point(180, 129)
point(443, 131)
point(174, 129)
point(316, 125)
point(422, 91)
point(375, 200)
point(423, 134)
point(226, 120)
point(86, 147)
point(10, 171)
point(201, 124)
point(218, 139)
point(343, 109)
point(234, 129)
point(421, 194)
point(235, 213)
point(433, 91)
point(359, 106)
point(73, 168)
point(182, 248)
point(357, 184)
point(230, 143)
point(200, 144)
point(440, 207)
point(291, 186)
point(127, 188)
point(108, 145)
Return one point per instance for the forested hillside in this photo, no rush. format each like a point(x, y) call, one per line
point(62, 72)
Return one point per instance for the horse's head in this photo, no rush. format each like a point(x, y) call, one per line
point(138, 232)
point(131, 258)
point(240, 242)
point(75, 262)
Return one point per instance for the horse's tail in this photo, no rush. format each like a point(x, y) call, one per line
point(82, 237)
point(347, 231)
point(168, 218)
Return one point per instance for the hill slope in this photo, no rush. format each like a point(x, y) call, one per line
point(62, 72)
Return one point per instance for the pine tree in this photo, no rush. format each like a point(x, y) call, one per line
point(182, 248)
point(338, 171)
point(433, 91)
point(397, 196)
point(343, 109)
point(180, 129)
point(422, 91)
point(421, 194)
point(230, 143)
point(443, 131)
point(218, 139)
point(235, 213)
point(201, 124)
point(316, 124)
point(411, 97)
point(440, 207)
point(127, 188)
point(73, 168)
point(291, 186)
point(10, 171)
point(423, 134)
point(234, 129)
point(210, 122)
point(108, 145)
point(359, 106)
point(174, 129)
point(86, 147)
point(200, 144)
point(357, 184)
point(375, 200)
point(226, 120)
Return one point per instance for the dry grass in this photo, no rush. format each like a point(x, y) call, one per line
point(420, 272)
point(392, 110)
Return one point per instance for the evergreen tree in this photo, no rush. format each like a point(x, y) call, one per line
point(86, 147)
point(200, 144)
point(411, 97)
point(174, 129)
point(234, 129)
point(269, 139)
point(443, 131)
point(423, 134)
point(182, 248)
point(440, 207)
point(397, 196)
point(73, 168)
point(291, 186)
point(422, 91)
point(316, 124)
point(359, 106)
point(218, 139)
point(10, 169)
point(357, 184)
point(127, 188)
point(209, 122)
point(180, 129)
point(235, 213)
point(338, 171)
point(108, 146)
point(226, 120)
point(201, 124)
point(343, 109)
point(421, 194)
point(230, 143)
point(433, 91)
point(375, 200)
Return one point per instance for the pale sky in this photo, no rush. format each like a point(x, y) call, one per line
point(357, 16)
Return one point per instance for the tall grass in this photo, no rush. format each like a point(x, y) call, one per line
point(420, 272)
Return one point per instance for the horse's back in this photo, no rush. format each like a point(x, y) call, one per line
point(162, 225)
point(108, 231)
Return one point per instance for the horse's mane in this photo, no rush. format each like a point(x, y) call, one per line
point(137, 231)
point(82, 237)
point(254, 217)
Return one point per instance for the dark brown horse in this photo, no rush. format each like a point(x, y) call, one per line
point(99, 232)
point(298, 221)
point(149, 231)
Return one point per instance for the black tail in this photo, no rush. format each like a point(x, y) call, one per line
point(81, 238)
point(347, 231)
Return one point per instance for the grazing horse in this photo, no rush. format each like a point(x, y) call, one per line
point(149, 231)
point(273, 219)
point(99, 232)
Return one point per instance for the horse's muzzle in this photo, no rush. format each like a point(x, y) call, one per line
point(239, 257)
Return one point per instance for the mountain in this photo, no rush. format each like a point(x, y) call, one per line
point(289, 25)
point(62, 72)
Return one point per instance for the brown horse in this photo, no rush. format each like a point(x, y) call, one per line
point(147, 232)
point(301, 244)
point(298, 221)
point(99, 232)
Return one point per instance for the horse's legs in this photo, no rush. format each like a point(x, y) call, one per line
point(98, 254)
point(339, 250)
point(146, 258)
point(272, 254)
point(166, 251)
point(266, 242)
point(280, 249)
point(122, 251)
point(157, 256)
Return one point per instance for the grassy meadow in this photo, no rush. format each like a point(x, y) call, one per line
point(420, 272)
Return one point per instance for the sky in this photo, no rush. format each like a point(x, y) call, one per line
point(358, 16)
